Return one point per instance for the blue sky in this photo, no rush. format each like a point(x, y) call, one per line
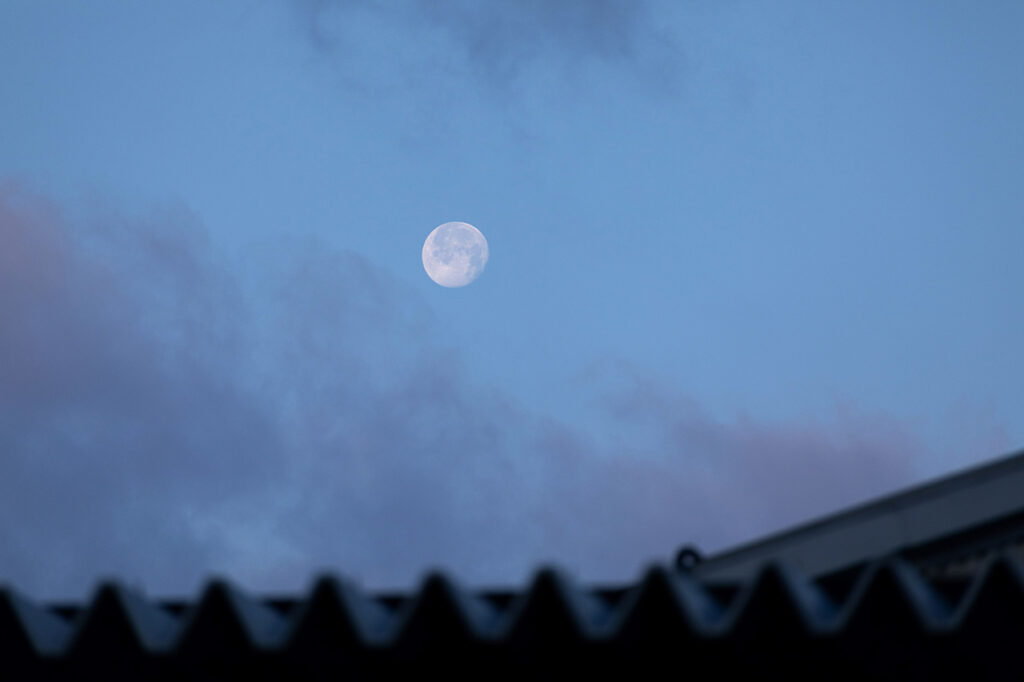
point(749, 263)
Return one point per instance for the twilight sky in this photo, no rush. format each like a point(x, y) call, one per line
point(748, 264)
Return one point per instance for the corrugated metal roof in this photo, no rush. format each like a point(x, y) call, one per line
point(891, 622)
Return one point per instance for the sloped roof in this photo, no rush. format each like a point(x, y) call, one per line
point(951, 519)
point(888, 621)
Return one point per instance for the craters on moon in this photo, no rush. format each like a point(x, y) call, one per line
point(454, 254)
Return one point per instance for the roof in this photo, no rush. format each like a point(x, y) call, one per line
point(863, 593)
point(888, 620)
point(967, 514)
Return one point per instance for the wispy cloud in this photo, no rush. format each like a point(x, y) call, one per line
point(499, 44)
point(164, 415)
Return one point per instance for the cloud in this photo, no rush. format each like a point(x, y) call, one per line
point(499, 44)
point(124, 435)
point(751, 476)
point(166, 414)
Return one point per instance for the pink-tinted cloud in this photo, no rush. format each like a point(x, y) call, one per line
point(164, 415)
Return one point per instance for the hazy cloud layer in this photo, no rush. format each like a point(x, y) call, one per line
point(164, 415)
point(500, 43)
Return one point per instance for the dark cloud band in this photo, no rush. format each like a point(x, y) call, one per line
point(165, 415)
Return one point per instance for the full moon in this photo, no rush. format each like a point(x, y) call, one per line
point(454, 254)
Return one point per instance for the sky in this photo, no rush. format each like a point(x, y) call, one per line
point(750, 263)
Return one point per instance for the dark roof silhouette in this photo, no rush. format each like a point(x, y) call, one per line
point(901, 615)
point(889, 621)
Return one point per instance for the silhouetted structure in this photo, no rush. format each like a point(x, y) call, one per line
point(887, 617)
point(949, 526)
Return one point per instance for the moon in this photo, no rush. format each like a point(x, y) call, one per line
point(454, 254)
